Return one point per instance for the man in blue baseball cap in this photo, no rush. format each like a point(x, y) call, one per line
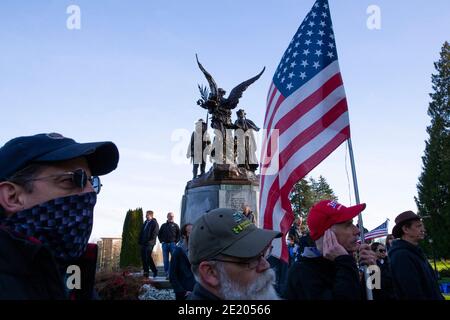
point(48, 190)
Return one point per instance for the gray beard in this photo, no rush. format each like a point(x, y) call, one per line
point(261, 289)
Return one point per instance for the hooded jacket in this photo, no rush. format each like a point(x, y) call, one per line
point(412, 275)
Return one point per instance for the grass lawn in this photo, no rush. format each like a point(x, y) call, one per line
point(441, 265)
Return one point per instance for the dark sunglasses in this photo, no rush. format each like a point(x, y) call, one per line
point(79, 179)
point(381, 250)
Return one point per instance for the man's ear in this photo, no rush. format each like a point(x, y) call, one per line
point(208, 274)
point(10, 198)
point(405, 229)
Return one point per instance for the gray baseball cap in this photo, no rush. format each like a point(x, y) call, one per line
point(228, 232)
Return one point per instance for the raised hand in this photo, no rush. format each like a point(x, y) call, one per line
point(331, 247)
point(366, 255)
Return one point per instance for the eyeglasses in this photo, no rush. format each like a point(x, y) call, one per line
point(251, 263)
point(381, 250)
point(74, 179)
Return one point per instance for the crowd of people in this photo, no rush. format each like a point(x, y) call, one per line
point(225, 256)
point(48, 189)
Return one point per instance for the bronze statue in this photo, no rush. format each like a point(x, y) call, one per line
point(245, 142)
point(220, 107)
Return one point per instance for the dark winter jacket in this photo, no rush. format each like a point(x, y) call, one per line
point(180, 274)
point(149, 232)
point(201, 293)
point(305, 241)
point(169, 232)
point(386, 292)
point(28, 271)
point(320, 279)
point(413, 277)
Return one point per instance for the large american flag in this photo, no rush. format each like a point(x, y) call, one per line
point(306, 118)
point(378, 232)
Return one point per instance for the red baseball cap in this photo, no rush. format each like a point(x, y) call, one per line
point(327, 213)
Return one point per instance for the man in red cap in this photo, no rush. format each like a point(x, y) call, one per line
point(413, 277)
point(329, 270)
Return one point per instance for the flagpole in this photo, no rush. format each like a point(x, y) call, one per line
point(360, 221)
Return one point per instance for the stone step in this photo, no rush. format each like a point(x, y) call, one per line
point(161, 283)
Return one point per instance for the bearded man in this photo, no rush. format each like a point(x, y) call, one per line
point(228, 254)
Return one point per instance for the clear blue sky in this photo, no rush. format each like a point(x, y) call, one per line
point(129, 75)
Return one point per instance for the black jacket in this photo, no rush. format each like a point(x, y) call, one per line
point(201, 293)
point(386, 292)
point(180, 274)
point(322, 279)
point(28, 270)
point(169, 232)
point(413, 277)
point(305, 241)
point(149, 232)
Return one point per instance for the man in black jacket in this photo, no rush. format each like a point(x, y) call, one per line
point(48, 190)
point(329, 271)
point(147, 240)
point(168, 235)
point(414, 279)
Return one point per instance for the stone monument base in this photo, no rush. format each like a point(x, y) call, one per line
point(224, 186)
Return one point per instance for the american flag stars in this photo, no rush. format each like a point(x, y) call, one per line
point(306, 116)
point(311, 49)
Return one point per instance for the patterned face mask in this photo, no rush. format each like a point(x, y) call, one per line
point(64, 224)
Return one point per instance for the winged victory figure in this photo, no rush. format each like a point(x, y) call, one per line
point(215, 102)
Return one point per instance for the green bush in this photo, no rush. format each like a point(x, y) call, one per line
point(130, 255)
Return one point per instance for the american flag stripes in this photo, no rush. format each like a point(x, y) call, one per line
point(378, 232)
point(306, 118)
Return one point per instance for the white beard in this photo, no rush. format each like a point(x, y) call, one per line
point(261, 289)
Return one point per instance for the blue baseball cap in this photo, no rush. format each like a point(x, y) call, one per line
point(18, 153)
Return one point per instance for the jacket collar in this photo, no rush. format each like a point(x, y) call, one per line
point(204, 294)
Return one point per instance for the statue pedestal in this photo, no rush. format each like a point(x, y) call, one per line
point(224, 186)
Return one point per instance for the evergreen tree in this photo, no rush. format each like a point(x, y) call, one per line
point(321, 190)
point(301, 198)
point(130, 254)
point(305, 194)
point(433, 201)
